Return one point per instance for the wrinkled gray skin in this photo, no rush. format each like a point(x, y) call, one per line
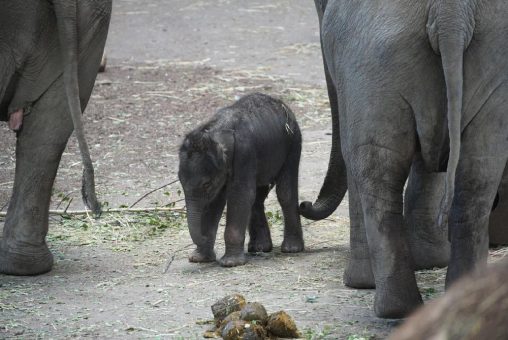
point(422, 83)
point(51, 86)
point(237, 157)
point(428, 241)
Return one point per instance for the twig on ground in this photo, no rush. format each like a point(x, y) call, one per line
point(170, 261)
point(118, 210)
point(172, 331)
point(151, 192)
point(68, 205)
point(138, 328)
point(171, 203)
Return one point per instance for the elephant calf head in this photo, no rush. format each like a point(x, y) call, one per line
point(204, 163)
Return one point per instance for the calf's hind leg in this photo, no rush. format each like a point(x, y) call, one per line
point(259, 232)
point(287, 194)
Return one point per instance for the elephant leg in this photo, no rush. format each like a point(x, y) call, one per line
point(358, 273)
point(23, 249)
point(483, 158)
point(259, 232)
point(428, 241)
point(381, 173)
point(205, 241)
point(498, 223)
point(240, 197)
point(477, 181)
point(287, 195)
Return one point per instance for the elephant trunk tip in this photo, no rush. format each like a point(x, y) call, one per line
point(314, 211)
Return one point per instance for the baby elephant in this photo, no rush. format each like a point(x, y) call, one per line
point(237, 157)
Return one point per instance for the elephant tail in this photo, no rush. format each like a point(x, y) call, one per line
point(66, 17)
point(335, 185)
point(450, 28)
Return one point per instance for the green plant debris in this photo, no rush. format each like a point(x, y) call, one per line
point(118, 230)
point(317, 333)
point(274, 218)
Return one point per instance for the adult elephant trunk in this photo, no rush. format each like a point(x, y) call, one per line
point(450, 28)
point(335, 185)
point(66, 17)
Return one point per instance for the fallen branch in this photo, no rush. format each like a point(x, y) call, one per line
point(109, 211)
point(170, 261)
point(151, 192)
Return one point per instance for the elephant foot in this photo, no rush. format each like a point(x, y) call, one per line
point(233, 260)
point(292, 245)
point(27, 262)
point(258, 246)
point(201, 256)
point(396, 298)
point(358, 274)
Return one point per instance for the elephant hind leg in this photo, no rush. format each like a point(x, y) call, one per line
point(287, 194)
point(498, 229)
point(380, 176)
point(428, 241)
point(484, 154)
point(476, 186)
point(358, 273)
point(259, 232)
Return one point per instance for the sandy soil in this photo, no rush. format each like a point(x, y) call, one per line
point(171, 65)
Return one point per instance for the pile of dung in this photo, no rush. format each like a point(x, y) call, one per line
point(237, 319)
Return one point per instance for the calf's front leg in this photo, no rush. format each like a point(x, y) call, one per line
point(203, 224)
point(240, 199)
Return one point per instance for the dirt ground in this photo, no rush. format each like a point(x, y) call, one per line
point(171, 65)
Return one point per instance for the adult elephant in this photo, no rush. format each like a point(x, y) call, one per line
point(49, 57)
point(413, 81)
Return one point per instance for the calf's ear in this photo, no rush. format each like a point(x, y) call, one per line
point(225, 140)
